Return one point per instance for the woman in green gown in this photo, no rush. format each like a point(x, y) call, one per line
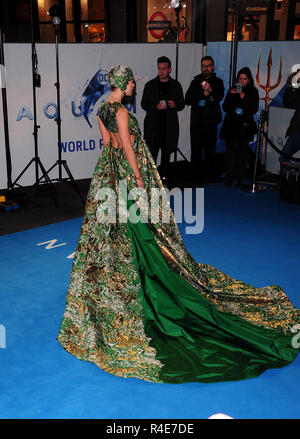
point(138, 305)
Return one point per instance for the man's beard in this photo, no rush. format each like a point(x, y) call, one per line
point(206, 73)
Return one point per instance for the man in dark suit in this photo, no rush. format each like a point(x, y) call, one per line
point(162, 99)
point(204, 95)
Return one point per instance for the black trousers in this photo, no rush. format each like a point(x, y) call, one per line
point(203, 146)
point(165, 157)
point(160, 143)
point(236, 156)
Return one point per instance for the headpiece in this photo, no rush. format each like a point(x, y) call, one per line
point(119, 76)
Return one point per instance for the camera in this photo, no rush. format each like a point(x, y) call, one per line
point(239, 87)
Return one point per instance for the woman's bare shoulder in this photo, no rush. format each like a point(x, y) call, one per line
point(122, 113)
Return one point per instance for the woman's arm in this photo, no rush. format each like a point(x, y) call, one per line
point(104, 133)
point(250, 101)
point(122, 119)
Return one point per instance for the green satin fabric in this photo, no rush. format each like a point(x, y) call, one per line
point(193, 340)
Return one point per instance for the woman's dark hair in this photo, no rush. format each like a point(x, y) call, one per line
point(246, 71)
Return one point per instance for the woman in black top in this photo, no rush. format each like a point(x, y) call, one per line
point(239, 127)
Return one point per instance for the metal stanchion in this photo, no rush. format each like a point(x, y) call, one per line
point(255, 188)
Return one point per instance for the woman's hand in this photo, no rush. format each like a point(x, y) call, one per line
point(206, 87)
point(139, 182)
point(233, 91)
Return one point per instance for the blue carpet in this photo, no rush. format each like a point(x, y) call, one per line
point(254, 238)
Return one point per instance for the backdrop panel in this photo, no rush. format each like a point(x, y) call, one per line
point(83, 78)
point(249, 53)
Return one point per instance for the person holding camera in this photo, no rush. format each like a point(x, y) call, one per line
point(204, 95)
point(162, 99)
point(239, 127)
point(291, 99)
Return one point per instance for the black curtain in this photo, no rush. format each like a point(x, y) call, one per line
point(131, 21)
point(200, 21)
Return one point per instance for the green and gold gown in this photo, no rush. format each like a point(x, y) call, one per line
point(138, 305)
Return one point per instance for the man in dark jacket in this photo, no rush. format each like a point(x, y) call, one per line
point(291, 99)
point(162, 99)
point(204, 95)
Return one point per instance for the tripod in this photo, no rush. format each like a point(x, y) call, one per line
point(5, 115)
point(61, 163)
point(36, 82)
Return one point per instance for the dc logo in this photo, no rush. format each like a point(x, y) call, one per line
point(102, 77)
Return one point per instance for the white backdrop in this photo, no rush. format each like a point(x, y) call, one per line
point(78, 64)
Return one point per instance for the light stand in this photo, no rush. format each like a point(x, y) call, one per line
point(234, 41)
point(36, 82)
point(254, 188)
point(176, 4)
point(54, 13)
point(5, 115)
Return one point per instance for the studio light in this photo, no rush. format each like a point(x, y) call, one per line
point(55, 20)
point(177, 5)
point(54, 13)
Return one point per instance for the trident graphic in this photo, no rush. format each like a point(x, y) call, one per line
point(267, 88)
